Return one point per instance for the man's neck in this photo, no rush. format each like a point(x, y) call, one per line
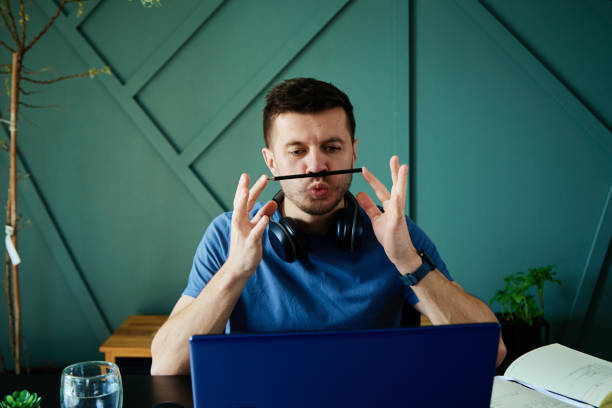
point(308, 223)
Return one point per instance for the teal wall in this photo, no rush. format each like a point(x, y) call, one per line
point(503, 112)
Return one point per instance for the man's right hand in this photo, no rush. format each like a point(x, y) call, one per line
point(245, 244)
point(210, 311)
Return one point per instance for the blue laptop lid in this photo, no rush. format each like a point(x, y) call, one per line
point(421, 366)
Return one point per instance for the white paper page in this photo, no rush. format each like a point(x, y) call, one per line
point(545, 392)
point(565, 371)
point(507, 394)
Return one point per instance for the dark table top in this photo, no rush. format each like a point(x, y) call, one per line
point(138, 390)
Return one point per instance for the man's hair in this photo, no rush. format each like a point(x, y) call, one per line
point(305, 95)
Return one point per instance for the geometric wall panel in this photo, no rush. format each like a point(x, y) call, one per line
point(508, 157)
point(573, 43)
point(110, 30)
point(222, 58)
point(511, 116)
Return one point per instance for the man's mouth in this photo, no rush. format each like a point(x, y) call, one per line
point(318, 190)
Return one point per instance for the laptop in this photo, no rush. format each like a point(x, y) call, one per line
point(435, 366)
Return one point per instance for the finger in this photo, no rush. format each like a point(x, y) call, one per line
point(368, 205)
point(394, 165)
point(395, 209)
point(240, 199)
point(257, 231)
point(379, 188)
point(257, 188)
point(402, 185)
point(267, 210)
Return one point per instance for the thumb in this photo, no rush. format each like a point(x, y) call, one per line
point(368, 205)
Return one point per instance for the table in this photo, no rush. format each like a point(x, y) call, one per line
point(138, 390)
point(133, 338)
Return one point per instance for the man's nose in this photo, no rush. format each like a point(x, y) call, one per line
point(315, 162)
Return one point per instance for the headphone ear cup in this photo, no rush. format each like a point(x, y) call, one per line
point(286, 240)
point(343, 230)
point(349, 225)
point(357, 232)
point(298, 240)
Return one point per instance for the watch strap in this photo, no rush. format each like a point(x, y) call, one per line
point(415, 277)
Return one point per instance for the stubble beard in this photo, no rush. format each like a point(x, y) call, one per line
point(317, 207)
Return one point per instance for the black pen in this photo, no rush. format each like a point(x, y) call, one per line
point(319, 174)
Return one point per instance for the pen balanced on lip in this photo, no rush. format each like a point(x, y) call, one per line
point(318, 174)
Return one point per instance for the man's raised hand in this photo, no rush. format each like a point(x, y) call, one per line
point(390, 226)
point(245, 244)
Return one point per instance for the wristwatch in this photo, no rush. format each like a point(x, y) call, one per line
point(427, 266)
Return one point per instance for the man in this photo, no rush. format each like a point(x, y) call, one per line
point(239, 283)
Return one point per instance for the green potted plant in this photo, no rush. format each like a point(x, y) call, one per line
point(521, 316)
point(21, 399)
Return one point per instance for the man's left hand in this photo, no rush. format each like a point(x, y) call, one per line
point(390, 226)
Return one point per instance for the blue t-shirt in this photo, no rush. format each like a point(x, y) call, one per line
point(329, 289)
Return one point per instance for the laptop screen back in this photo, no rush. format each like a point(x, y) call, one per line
point(420, 366)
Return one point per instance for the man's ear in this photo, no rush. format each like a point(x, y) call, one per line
point(355, 150)
point(269, 159)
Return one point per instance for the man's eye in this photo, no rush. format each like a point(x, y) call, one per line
point(296, 152)
point(332, 148)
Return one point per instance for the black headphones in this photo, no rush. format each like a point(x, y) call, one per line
point(288, 242)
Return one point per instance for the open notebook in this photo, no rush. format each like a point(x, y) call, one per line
point(554, 376)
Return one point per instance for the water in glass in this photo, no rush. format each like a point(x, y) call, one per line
point(92, 384)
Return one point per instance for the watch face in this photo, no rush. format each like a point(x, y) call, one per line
point(427, 259)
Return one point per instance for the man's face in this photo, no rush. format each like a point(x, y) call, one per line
point(309, 143)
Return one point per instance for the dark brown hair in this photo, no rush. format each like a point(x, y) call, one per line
point(305, 95)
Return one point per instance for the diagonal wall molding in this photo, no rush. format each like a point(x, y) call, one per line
point(124, 95)
point(594, 128)
point(544, 77)
point(140, 118)
point(261, 79)
point(171, 46)
point(590, 274)
point(42, 219)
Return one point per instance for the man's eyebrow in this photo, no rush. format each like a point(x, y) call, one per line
point(333, 139)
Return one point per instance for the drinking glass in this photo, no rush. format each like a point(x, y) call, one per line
point(91, 384)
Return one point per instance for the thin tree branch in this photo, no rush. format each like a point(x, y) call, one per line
point(24, 92)
point(28, 71)
point(91, 73)
point(52, 81)
point(47, 26)
point(7, 3)
point(8, 26)
point(58, 107)
point(24, 118)
point(5, 45)
point(23, 21)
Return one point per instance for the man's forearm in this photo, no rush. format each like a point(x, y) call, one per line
point(206, 314)
point(445, 302)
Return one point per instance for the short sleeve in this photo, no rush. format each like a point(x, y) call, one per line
point(421, 242)
point(210, 254)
